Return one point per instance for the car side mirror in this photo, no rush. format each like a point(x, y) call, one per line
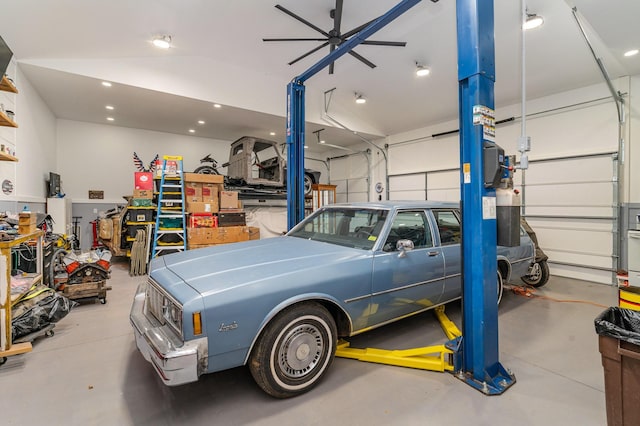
point(403, 246)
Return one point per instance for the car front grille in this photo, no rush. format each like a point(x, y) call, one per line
point(159, 303)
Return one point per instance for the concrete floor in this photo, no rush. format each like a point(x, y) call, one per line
point(90, 373)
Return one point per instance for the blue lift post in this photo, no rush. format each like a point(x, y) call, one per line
point(295, 111)
point(480, 366)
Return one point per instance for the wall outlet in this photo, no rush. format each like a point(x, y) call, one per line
point(95, 211)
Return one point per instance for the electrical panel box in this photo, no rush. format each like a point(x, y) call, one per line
point(493, 164)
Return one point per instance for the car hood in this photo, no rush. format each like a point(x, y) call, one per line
point(220, 268)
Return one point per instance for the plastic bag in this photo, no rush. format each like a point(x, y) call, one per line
point(619, 323)
point(38, 312)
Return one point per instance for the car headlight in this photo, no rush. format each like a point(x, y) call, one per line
point(172, 313)
point(163, 307)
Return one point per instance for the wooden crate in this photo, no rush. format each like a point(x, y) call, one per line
point(96, 289)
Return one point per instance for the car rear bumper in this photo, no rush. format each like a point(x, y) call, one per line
point(176, 362)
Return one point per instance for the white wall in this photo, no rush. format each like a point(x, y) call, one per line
point(36, 143)
point(633, 142)
point(100, 157)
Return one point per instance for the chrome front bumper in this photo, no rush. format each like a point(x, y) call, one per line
point(176, 362)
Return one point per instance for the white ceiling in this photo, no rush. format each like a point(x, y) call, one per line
point(66, 47)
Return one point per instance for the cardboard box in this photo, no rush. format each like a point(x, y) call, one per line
point(27, 229)
point(143, 180)
point(26, 219)
point(145, 194)
point(202, 178)
point(210, 191)
point(228, 199)
point(170, 170)
point(193, 192)
point(230, 234)
point(254, 232)
point(202, 207)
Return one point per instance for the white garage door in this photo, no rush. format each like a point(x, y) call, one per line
point(350, 174)
point(568, 202)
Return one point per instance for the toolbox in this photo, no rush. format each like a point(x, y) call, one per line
point(232, 219)
point(140, 214)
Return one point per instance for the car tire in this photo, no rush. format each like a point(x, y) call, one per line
point(538, 276)
point(500, 286)
point(206, 170)
point(294, 351)
point(308, 181)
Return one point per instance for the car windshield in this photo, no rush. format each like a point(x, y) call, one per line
point(349, 227)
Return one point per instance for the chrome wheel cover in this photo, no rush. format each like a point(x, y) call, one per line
point(300, 351)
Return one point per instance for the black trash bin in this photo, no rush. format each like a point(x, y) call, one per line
point(619, 342)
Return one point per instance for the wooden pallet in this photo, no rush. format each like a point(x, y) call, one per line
point(96, 290)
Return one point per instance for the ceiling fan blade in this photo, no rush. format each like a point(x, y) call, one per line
point(294, 39)
point(309, 53)
point(337, 16)
point(331, 66)
point(304, 21)
point(361, 59)
point(356, 30)
point(385, 43)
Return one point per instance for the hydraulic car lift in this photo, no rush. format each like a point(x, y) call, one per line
point(475, 353)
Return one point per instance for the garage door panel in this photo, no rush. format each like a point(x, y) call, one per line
point(407, 195)
point(358, 185)
point(571, 170)
point(407, 182)
point(596, 243)
point(599, 194)
point(341, 186)
point(444, 195)
point(580, 273)
point(604, 212)
point(443, 180)
point(573, 223)
point(578, 259)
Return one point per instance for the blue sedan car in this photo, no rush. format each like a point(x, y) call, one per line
point(279, 305)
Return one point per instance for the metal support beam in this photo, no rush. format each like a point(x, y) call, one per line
point(480, 366)
point(295, 111)
point(295, 153)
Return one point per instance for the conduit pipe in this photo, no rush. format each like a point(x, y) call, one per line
point(332, 120)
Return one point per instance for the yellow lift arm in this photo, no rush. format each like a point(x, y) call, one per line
point(432, 358)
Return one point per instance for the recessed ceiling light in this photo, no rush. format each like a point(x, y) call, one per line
point(632, 52)
point(217, 106)
point(272, 133)
point(110, 119)
point(106, 84)
point(533, 21)
point(192, 131)
point(422, 70)
point(360, 99)
point(322, 141)
point(109, 107)
point(200, 121)
point(162, 42)
point(305, 147)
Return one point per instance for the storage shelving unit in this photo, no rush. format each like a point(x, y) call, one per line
point(321, 195)
point(7, 348)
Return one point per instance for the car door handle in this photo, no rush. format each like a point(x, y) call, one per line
point(433, 253)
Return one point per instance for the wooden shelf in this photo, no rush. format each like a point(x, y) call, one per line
point(7, 157)
point(7, 86)
point(6, 121)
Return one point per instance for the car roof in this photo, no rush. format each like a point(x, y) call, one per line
point(418, 204)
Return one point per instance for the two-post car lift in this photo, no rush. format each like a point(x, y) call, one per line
point(474, 355)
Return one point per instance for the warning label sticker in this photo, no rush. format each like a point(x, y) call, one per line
point(485, 117)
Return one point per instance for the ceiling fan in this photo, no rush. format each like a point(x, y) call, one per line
point(333, 38)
